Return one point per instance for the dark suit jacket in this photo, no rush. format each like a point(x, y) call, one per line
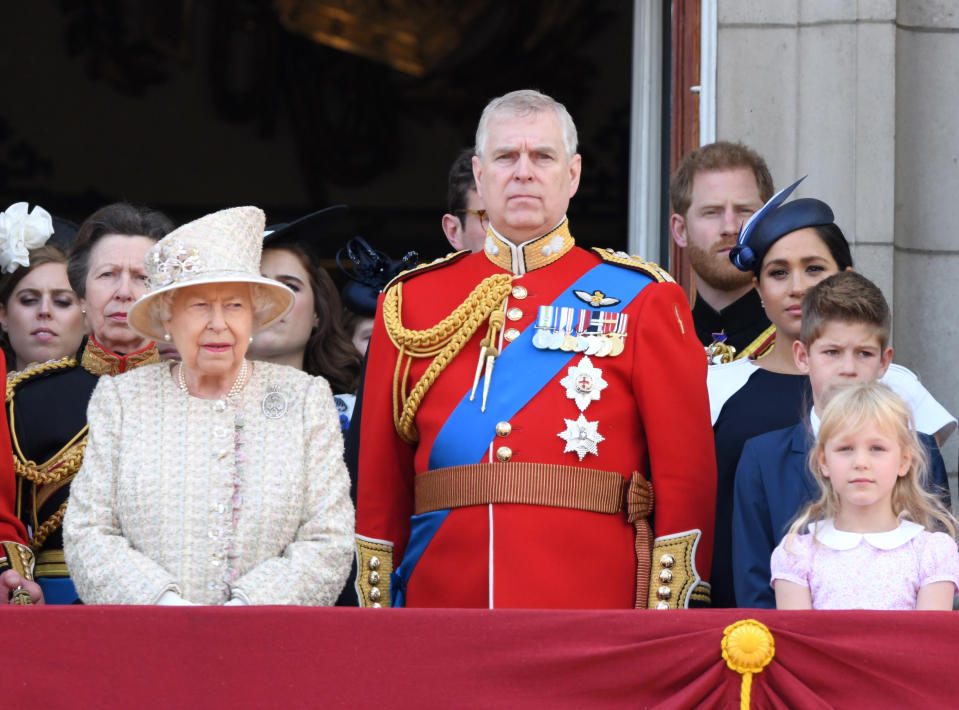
point(773, 483)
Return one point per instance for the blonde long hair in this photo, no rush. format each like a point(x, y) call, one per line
point(851, 409)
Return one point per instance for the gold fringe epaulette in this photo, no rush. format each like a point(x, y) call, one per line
point(450, 258)
point(14, 379)
point(636, 263)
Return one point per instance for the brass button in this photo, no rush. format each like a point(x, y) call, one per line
point(377, 605)
point(375, 594)
point(664, 592)
point(665, 576)
point(514, 313)
point(510, 335)
point(503, 428)
point(374, 578)
point(667, 560)
point(374, 563)
point(504, 453)
point(662, 605)
point(519, 292)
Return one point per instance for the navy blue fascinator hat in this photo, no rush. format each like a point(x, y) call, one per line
point(368, 271)
point(773, 221)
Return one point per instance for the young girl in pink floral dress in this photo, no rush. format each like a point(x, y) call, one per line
point(875, 539)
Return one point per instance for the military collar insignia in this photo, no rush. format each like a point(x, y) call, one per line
point(97, 360)
point(531, 255)
point(597, 299)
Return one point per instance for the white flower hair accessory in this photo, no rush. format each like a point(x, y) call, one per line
point(21, 230)
point(173, 262)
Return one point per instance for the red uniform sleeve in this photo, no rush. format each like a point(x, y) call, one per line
point(669, 382)
point(11, 529)
point(385, 474)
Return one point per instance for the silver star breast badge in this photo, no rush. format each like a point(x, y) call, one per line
point(581, 437)
point(583, 383)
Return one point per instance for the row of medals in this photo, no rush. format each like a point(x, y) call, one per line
point(604, 337)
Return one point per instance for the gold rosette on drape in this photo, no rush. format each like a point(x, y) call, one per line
point(748, 647)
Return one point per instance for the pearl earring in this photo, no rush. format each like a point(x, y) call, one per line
point(251, 340)
point(166, 337)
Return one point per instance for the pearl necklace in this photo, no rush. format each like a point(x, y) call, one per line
point(238, 383)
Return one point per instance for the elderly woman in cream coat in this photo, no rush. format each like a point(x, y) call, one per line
point(215, 480)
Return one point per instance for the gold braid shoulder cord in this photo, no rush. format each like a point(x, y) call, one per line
point(63, 465)
point(442, 342)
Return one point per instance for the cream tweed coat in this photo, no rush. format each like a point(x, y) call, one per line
point(211, 499)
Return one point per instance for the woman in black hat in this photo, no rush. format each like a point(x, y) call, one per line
point(311, 337)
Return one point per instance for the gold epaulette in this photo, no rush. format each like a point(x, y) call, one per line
point(762, 345)
point(636, 263)
point(14, 379)
point(450, 258)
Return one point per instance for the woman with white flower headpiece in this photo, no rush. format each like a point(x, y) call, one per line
point(39, 311)
point(214, 480)
point(47, 403)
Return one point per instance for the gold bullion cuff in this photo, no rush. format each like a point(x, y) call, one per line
point(674, 582)
point(19, 558)
point(374, 565)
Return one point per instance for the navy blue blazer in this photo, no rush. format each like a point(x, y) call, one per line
point(773, 483)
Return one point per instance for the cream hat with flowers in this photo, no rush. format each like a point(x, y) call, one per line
point(223, 247)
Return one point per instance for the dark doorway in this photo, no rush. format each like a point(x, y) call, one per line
point(195, 105)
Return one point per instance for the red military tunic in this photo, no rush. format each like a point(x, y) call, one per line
point(653, 417)
point(14, 552)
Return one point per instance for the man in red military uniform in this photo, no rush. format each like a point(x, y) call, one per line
point(16, 557)
point(519, 401)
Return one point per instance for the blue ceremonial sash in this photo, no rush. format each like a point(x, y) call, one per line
point(422, 529)
point(521, 371)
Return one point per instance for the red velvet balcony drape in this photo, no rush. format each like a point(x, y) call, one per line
point(124, 657)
